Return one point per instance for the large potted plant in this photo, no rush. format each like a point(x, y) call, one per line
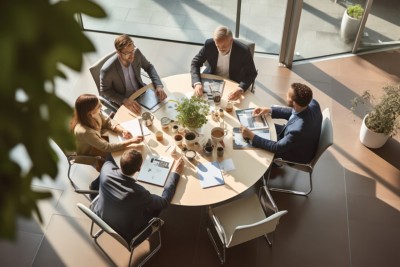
point(192, 112)
point(351, 22)
point(382, 118)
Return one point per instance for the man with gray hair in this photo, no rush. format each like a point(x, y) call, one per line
point(226, 57)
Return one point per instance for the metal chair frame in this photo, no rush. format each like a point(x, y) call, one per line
point(154, 224)
point(325, 141)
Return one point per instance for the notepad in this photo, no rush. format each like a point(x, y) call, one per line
point(210, 174)
point(155, 169)
point(133, 126)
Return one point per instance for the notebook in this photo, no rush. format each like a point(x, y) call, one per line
point(210, 174)
point(155, 169)
point(150, 101)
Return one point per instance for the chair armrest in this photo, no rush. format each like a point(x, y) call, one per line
point(218, 227)
point(300, 166)
point(263, 194)
point(83, 191)
point(113, 107)
point(153, 226)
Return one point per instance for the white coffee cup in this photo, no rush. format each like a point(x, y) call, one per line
point(218, 134)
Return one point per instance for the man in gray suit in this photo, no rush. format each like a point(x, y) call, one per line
point(120, 75)
point(125, 205)
point(298, 139)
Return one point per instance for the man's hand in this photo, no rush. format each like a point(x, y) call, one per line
point(178, 166)
point(198, 89)
point(160, 93)
point(235, 95)
point(133, 106)
point(261, 111)
point(246, 133)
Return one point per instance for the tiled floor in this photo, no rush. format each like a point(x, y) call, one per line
point(193, 21)
point(350, 219)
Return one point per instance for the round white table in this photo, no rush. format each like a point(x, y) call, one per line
point(249, 164)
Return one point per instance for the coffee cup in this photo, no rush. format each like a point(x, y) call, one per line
point(159, 136)
point(220, 151)
point(165, 122)
point(216, 97)
point(147, 118)
point(178, 139)
point(207, 150)
point(218, 134)
point(190, 138)
point(190, 154)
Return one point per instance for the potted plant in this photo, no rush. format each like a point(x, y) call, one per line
point(382, 118)
point(351, 22)
point(192, 112)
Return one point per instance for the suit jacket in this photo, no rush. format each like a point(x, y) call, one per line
point(112, 81)
point(241, 64)
point(125, 205)
point(298, 141)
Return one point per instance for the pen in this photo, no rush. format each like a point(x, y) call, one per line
point(144, 140)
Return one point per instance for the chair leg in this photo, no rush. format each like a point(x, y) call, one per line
point(154, 251)
point(221, 256)
point(288, 191)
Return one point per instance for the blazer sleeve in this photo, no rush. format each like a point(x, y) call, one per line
point(94, 139)
point(278, 112)
point(249, 72)
point(110, 80)
point(289, 141)
point(148, 68)
point(197, 63)
point(161, 202)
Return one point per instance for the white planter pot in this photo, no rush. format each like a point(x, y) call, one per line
point(370, 138)
point(349, 27)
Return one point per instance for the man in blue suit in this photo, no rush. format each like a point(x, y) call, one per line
point(125, 205)
point(226, 57)
point(298, 139)
point(120, 75)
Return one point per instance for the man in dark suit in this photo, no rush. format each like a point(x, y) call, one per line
point(226, 57)
point(120, 75)
point(298, 139)
point(125, 205)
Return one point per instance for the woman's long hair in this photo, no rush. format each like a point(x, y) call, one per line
point(84, 104)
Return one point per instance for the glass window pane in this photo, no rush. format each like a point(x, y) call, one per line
point(319, 30)
point(181, 20)
point(383, 25)
point(262, 23)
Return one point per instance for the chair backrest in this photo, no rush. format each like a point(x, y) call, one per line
point(326, 136)
point(103, 225)
point(96, 67)
point(248, 232)
point(250, 45)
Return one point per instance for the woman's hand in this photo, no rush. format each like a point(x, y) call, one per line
point(125, 134)
point(134, 140)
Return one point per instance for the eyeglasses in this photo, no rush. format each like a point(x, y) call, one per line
point(129, 52)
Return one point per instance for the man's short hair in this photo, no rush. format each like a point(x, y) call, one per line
point(222, 32)
point(302, 94)
point(122, 41)
point(131, 161)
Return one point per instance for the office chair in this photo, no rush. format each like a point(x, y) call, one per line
point(325, 141)
point(252, 47)
point(244, 219)
point(74, 158)
point(95, 71)
point(153, 226)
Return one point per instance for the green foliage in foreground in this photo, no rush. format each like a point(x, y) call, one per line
point(36, 37)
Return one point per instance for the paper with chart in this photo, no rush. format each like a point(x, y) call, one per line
point(155, 169)
point(248, 120)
